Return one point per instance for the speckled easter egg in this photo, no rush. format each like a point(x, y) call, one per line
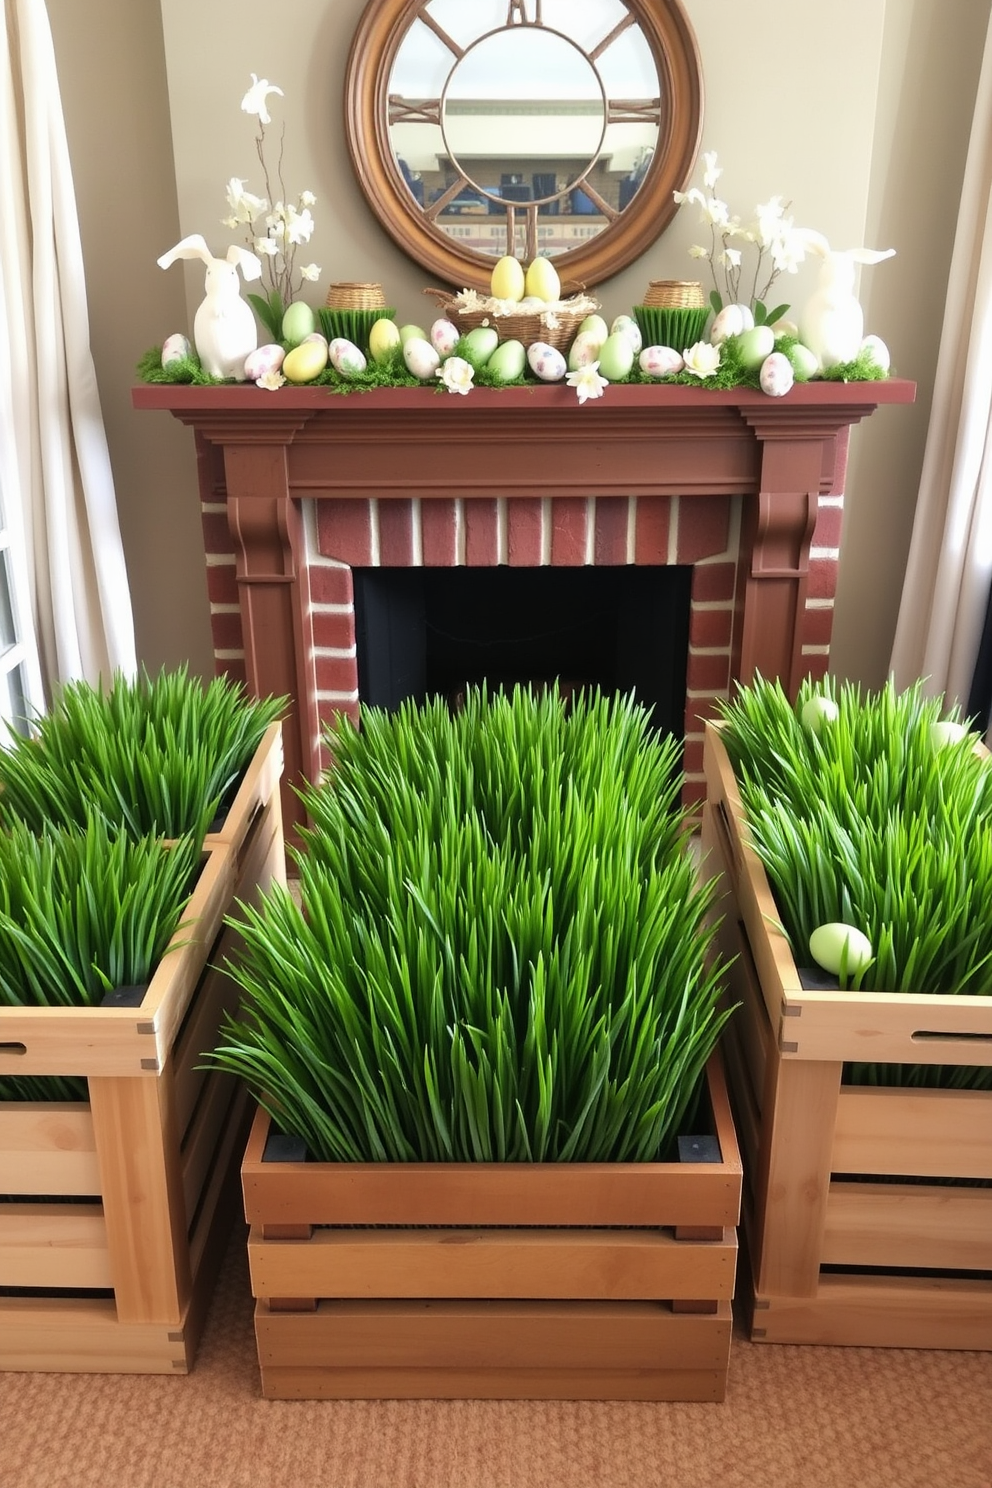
point(420, 357)
point(345, 357)
point(584, 349)
point(444, 336)
point(776, 375)
point(174, 348)
point(660, 361)
point(263, 360)
point(546, 362)
point(626, 325)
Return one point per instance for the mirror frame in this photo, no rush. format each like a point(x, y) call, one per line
point(377, 40)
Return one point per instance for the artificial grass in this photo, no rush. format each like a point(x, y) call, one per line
point(501, 949)
point(868, 821)
point(155, 754)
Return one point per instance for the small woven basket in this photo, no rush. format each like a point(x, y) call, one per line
point(351, 296)
point(674, 294)
point(526, 326)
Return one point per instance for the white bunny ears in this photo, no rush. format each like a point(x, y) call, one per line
point(195, 246)
point(816, 243)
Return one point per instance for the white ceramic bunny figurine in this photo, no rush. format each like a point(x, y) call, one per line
point(832, 323)
point(224, 329)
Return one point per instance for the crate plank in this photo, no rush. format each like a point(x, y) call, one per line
point(493, 1263)
point(84, 1336)
point(47, 1149)
point(53, 1245)
point(905, 1225)
point(925, 1134)
point(881, 1312)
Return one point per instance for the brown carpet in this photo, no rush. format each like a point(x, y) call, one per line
point(793, 1418)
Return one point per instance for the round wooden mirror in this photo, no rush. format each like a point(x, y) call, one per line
point(479, 128)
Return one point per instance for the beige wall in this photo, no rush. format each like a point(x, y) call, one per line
point(861, 121)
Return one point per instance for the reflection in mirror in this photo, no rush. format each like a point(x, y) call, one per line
point(523, 140)
point(562, 127)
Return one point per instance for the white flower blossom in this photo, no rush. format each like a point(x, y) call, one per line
point(270, 380)
point(713, 172)
point(745, 258)
point(244, 206)
point(587, 382)
point(254, 100)
point(266, 247)
point(702, 360)
point(299, 225)
point(456, 374)
point(307, 199)
point(310, 272)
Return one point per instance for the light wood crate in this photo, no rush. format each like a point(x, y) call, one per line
point(116, 1210)
point(853, 1236)
point(462, 1280)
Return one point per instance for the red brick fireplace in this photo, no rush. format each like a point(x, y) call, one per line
point(299, 487)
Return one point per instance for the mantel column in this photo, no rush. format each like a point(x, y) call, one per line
point(778, 522)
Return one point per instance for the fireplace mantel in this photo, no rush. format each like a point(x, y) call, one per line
point(264, 456)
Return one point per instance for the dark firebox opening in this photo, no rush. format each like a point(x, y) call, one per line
point(428, 631)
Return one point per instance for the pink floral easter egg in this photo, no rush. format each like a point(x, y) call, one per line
point(444, 337)
point(546, 362)
point(776, 375)
point(262, 361)
point(660, 361)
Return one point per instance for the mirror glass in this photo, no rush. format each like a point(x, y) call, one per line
point(521, 126)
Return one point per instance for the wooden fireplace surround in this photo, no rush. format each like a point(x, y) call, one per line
point(265, 453)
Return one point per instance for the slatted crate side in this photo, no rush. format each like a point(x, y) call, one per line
point(259, 789)
point(652, 1194)
point(111, 1042)
point(54, 1245)
point(897, 1028)
point(47, 1148)
point(520, 1263)
point(495, 1349)
point(72, 1335)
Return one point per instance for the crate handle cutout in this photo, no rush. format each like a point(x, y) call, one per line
point(930, 1035)
point(16, 1049)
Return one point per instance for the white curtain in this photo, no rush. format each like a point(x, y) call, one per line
point(56, 485)
point(949, 573)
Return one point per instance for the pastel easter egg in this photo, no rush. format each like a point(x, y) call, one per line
point(785, 328)
point(507, 281)
point(660, 361)
point(541, 280)
point(835, 945)
point(413, 333)
point(305, 362)
point(594, 325)
point(616, 356)
point(584, 349)
point(946, 732)
point(263, 360)
point(480, 344)
point(507, 361)
point(627, 326)
point(731, 321)
point(819, 712)
point(444, 337)
point(754, 345)
point(298, 322)
point(384, 338)
point(878, 351)
point(345, 357)
point(175, 348)
point(420, 357)
point(776, 375)
point(804, 362)
point(546, 362)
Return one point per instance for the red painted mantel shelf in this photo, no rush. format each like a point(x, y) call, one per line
point(261, 454)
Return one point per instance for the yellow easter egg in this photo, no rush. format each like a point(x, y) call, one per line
point(384, 337)
point(305, 362)
point(507, 280)
point(542, 280)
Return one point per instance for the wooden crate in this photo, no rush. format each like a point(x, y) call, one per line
point(258, 787)
point(853, 1233)
point(115, 1211)
point(462, 1280)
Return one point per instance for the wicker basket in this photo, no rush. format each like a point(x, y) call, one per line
point(674, 294)
point(526, 326)
point(355, 297)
